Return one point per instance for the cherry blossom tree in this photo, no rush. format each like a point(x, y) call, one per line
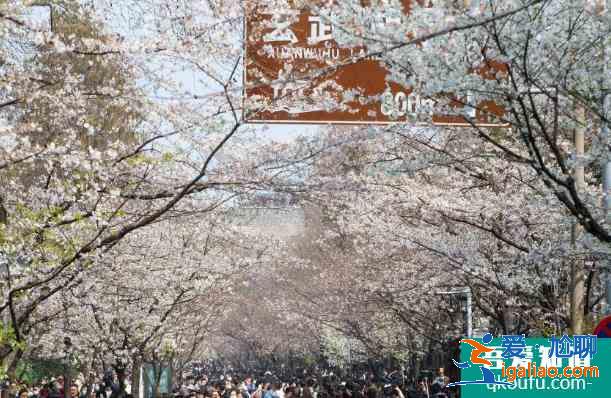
point(98, 144)
point(544, 62)
point(398, 218)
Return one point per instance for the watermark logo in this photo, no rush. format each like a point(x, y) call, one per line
point(513, 363)
point(475, 359)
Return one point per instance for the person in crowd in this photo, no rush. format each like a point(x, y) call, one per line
point(44, 390)
point(74, 391)
point(396, 392)
point(228, 387)
point(107, 393)
point(372, 392)
point(278, 392)
point(258, 393)
point(308, 389)
point(250, 386)
point(267, 391)
point(420, 390)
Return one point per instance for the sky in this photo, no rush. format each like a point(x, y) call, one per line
point(197, 84)
point(193, 82)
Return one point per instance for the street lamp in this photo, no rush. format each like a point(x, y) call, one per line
point(469, 318)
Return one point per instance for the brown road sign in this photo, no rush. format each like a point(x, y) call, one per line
point(294, 72)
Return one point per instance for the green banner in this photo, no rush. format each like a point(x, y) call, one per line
point(151, 372)
point(564, 366)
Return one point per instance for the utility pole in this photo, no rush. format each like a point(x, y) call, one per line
point(577, 271)
point(600, 8)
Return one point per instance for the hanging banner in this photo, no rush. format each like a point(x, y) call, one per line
point(152, 375)
point(295, 72)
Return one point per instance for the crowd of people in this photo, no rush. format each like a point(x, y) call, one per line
point(46, 388)
point(264, 386)
point(269, 386)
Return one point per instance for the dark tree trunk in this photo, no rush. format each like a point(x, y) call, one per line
point(137, 363)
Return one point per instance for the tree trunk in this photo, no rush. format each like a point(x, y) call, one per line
point(4, 391)
point(3, 212)
point(67, 377)
point(136, 364)
point(11, 371)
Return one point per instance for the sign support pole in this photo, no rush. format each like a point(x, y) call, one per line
point(604, 134)
point(469, 313)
